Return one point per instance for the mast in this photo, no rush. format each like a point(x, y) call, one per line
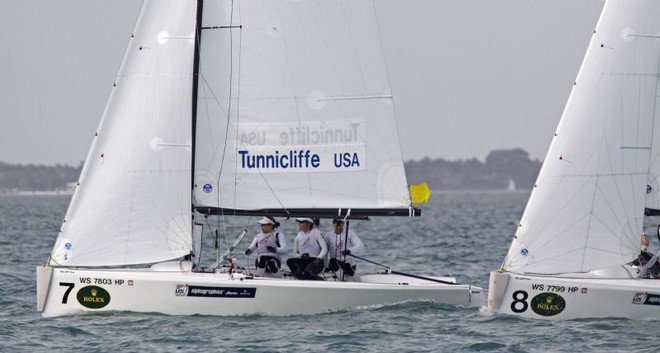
point(195, 83)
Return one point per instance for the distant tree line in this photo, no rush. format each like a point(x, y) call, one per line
point(496, 173)
point(17, 177)
point(500, 167)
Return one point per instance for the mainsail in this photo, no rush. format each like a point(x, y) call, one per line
point(291, 109)
point(587, 208)
point(295, 110)
point(132, 205)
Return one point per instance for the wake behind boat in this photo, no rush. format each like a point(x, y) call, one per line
point(235, 108)
point(573, 254)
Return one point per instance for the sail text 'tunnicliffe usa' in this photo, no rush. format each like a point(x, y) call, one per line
point(302, 135)
point(295, 159)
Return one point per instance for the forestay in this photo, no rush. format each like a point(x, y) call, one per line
point(133, 201)
point(586, 210)
point(295, 108)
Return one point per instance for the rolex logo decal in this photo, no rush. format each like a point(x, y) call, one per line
point(93, 297)
point(548, 304)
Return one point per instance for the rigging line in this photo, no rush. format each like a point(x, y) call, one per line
point(231, 76)
point(359, 65)
point(238, 87)
point(345, 247)
point(205, 87)
point(207, 118)
point(352, 43)
point(597, 188)
point(387, 73)
point(652, 158)
point(551, 219)
point(620, 193)
point(201, 238)
point(225, 230)
point(388, 270)
point(318, 25)
point(272, 191)
point(238, 84)
point(295, 112)
point(554, 194)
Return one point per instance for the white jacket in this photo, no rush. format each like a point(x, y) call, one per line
point(336, 243)
point(262, 241)
point(311, 243)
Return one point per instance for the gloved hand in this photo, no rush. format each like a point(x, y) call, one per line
point(271, 249)
point(304, 256)
point(248, 252)
point(346, 252)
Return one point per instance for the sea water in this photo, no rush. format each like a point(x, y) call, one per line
point(462, 234)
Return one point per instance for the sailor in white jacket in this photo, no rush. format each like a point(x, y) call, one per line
point(309, 251)
point(341, 243)
point(270, 244)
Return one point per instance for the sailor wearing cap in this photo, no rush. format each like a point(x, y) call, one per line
point(270, 245)
point(309, 251)
point(342, 243)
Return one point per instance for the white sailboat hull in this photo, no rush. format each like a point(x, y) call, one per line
point(563, 298)
point(70, 291)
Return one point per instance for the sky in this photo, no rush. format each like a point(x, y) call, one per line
point(467, 76)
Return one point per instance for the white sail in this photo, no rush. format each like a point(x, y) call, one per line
point(133, 202)
point(295, 108)
point(653, 184)
point(586, 210)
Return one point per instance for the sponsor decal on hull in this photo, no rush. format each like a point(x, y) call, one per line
point(93, 297)
point(646, 299)
point(185, 290)
point(548, 304)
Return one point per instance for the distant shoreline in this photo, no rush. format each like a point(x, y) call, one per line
point(36, 193)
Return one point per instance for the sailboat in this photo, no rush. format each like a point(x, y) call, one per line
point(235, 109)
point(512, 185)
point(573, 254)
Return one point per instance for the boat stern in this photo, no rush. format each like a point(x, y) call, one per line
point(477, 297)
point(44, 274)
point(496, 288)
